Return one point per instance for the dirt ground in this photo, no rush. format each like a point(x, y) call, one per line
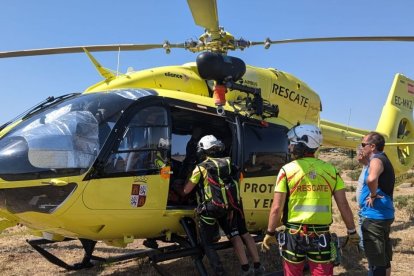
point(18, 258)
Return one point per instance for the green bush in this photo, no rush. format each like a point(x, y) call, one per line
point(354, 174)
point(350, 188)
point(410, 208)
point(404, 178)
point(406, 203)
point(335, 162)
point(349, 164)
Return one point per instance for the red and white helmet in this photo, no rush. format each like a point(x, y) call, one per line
point(309, 135)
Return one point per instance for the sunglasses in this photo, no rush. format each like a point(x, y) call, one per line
point(365, 144)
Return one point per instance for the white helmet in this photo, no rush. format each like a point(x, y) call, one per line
point(309, 135)
point(209, 141)
point(163, 143)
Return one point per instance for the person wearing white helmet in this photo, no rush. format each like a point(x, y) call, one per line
point(305, 139)
point(302, 202)
point(210, 176)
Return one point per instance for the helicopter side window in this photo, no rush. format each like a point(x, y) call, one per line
point(145, 143)
point(265, 150)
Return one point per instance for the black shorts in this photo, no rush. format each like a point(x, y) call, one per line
point(232, 223)
point(236, 225)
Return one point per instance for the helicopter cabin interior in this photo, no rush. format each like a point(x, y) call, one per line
point(166, 135)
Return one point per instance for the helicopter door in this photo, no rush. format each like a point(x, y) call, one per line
point(136, 173)
point(188, 126)
point(264, 151)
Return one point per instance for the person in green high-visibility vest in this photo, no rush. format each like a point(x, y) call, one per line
point(160, 159)
point(302, 202)
point(216, 180)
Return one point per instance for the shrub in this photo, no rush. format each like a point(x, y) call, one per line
point(350, 188)
point(405, 178)
point(347, 164)
point(405, 202)
point(354, 174)
point(410, 208)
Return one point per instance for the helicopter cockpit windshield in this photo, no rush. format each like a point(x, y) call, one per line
point(63, 139)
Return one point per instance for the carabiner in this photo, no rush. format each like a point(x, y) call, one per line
point(281, 238)
point(323, 238)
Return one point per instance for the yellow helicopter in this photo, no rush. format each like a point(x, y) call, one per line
point(101, 165)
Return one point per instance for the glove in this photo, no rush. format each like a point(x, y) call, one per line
point(268, 241)
point(353, 238)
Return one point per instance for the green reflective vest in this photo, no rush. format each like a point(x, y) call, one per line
point(159, 161)
point(309, 184)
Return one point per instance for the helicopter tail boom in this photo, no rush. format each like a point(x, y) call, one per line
point(397, 124)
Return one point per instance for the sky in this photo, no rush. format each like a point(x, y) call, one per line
point(352, 79)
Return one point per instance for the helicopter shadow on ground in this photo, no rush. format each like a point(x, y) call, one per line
point(183, 266)
point(142, 266)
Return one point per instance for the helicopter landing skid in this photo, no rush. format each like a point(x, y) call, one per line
point(88, 246)
point(89, 260)
point(183, 247)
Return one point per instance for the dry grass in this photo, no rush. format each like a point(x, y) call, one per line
point(18, 258)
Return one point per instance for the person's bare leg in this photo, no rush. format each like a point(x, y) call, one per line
point(388, 272)
point(251, 247)
point(238, 247)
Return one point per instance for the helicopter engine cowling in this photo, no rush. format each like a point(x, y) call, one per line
point(218, 67)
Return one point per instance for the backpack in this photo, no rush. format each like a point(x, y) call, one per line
point(223, 185)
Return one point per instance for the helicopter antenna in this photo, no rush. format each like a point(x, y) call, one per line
point(349, 118)
point(117, 65)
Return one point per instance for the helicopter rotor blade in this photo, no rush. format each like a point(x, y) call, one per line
point(268, 42)
point(91, 48)
point(205, 14)
point(188, 45)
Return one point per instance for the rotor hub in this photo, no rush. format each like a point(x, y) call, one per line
point(217, 41)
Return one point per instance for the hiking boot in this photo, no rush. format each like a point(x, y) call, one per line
point(249, 272)
point(259, 271)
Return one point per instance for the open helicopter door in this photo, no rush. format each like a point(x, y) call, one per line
point(134, 180)
point(264, 152)
point(190, 122)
